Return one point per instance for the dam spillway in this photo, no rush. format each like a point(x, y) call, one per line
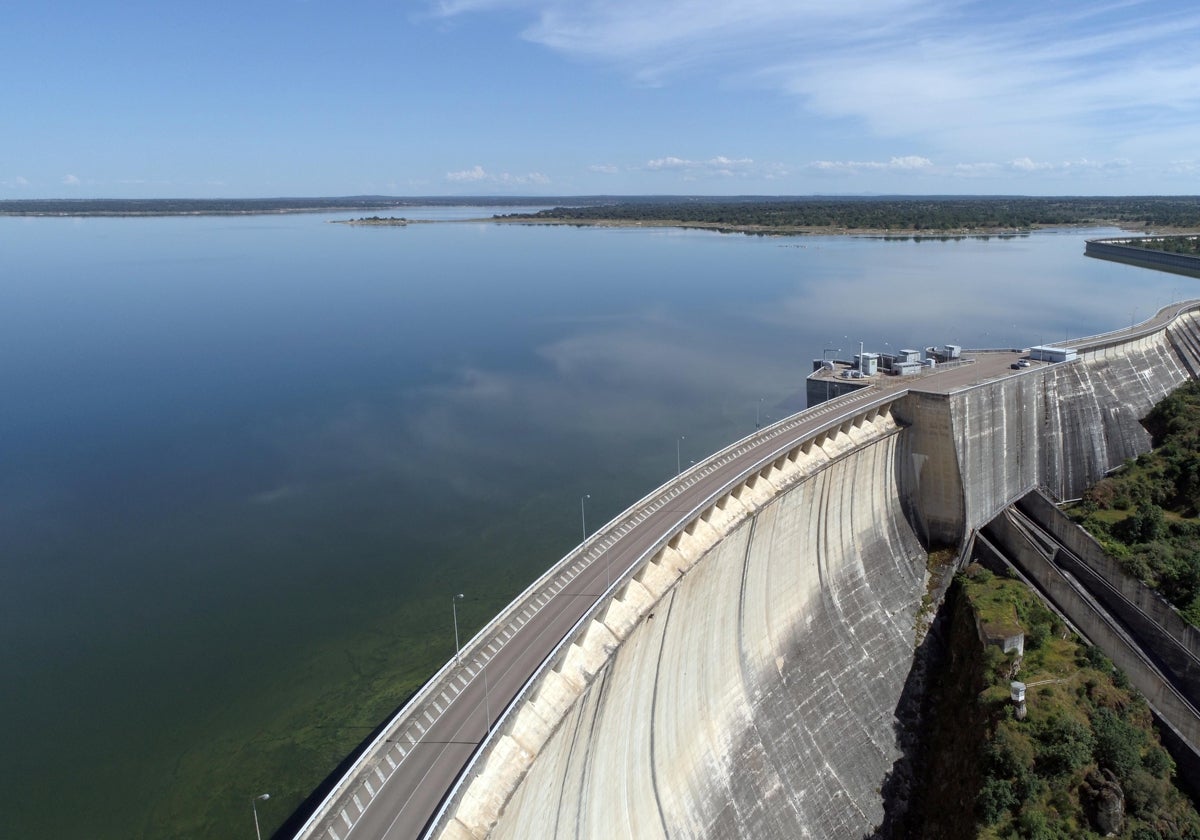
point(745, 678)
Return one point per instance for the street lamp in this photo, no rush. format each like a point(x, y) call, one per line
point(454, 611)
point(678, 467)
point(254, 806)
point(583, 515)
point(758, 413)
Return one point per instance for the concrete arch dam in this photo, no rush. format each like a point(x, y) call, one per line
point(743, 679)
point(745, 684)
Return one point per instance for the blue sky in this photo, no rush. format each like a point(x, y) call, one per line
point(563, 97)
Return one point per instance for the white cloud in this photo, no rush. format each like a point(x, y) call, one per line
point(718, 165)
point(910, 162)
point(20, 181)
point(477, 174)
point(1025, 164)
point(949, 78)
point(906, 163)
point(71, 181)
point(603, 168)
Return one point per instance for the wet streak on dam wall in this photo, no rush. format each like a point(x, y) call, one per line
point(746, 682)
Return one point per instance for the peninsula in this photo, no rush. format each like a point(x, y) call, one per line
point(892, 216)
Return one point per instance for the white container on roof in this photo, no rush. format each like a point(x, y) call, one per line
point(1045, 353)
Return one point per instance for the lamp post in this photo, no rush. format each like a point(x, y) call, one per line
point(454, 612)
point(758, 414)
point(254, 806)
point(583, 514)
point(678, 467)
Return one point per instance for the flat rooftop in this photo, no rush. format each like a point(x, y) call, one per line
point(975, 368)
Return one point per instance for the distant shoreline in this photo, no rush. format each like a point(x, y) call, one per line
point(763, 230)
point(800, 231)
point(149, 207)
point(932, 217)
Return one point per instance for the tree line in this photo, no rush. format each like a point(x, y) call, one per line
point(910, 213)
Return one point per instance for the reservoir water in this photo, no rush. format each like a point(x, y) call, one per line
point(246, 462)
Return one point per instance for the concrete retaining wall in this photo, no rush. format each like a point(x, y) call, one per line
point(1160, 260)
point(1156, 611)
point(1086, 614)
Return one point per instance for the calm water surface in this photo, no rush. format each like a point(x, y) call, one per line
point(245, 462)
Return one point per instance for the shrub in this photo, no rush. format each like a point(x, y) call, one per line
point(996, 798)
point(1144, 794)
point(1118, 744)
point(1158, 762)
point(1098, 660)
point(1064, 745)
point(1037, 636)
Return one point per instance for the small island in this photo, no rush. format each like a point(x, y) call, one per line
point(383, 221)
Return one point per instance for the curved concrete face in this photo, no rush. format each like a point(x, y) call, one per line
point(756, 696)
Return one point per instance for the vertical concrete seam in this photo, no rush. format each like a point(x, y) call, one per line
point(654, 715)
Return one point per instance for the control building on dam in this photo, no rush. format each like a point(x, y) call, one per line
point(745, 674)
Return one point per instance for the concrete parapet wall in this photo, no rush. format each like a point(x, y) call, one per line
point(753, 694)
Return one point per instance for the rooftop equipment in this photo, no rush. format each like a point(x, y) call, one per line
point(1053, 354)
